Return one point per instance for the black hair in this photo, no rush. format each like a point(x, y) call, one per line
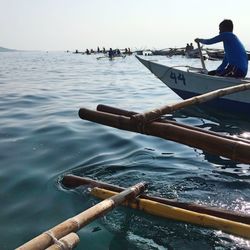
point(226, 26)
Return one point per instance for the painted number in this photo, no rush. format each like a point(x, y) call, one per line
point(179, 77)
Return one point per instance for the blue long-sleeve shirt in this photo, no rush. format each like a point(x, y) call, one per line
point(235, 53)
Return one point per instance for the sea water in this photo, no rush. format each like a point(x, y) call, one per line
point(42, 139)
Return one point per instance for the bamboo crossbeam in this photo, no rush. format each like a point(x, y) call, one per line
point(118, 111)
point(67, 242)
point(73, 181)
point(179, 214)
point(237, 151)
point(155, 114)
point(75, 223)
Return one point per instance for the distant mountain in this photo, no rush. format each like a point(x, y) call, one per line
point(2, 49)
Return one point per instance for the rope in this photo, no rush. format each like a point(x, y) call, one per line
point(140, 121)
point(76, 222)
point(61, 244)
point(143, 119)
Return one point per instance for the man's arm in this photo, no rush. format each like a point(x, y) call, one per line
point(223, 65)
point(213, 40)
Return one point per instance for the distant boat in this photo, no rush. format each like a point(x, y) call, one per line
point(215, 53)
point(187, 84)
point(219, 54)
point(194, 53)
point(111, 58)
point(169, 52)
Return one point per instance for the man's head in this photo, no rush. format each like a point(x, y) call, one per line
point(226, 26)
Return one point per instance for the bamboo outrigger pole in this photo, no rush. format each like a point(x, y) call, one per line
point(118, 111)
point(237, 151)
point(157, 113)
point(75, 223)
point(73, 181)
point(170, 212)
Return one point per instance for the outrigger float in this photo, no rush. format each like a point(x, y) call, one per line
point(63, 236)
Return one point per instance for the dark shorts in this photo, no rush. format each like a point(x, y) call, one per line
point(229, 71)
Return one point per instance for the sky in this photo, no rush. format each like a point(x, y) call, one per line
point(138, 24)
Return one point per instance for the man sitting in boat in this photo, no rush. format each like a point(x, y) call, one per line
point(235, 61)
point(187, 47)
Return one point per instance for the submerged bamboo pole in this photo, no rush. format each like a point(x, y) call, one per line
point(155, 114)
point(75, 223)
point(237, 151)
point(118, 111)
point(67, 242)
point(170, 212)
point(73, 181)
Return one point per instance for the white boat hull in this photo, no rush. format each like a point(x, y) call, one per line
point(188, 84)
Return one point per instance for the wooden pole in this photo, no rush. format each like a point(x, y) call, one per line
point(73, 181)
point(75, 223)
point(117, 111)
point(67, 242)
point(157, 113)
point(170, 212)
point(202, 59)
point(237, 151)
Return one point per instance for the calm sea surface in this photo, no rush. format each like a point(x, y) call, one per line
point(42, 138)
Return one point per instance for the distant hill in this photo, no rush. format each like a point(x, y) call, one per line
point(2, 49)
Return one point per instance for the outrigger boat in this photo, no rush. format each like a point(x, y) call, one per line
point(192, 82)
point(111, 58)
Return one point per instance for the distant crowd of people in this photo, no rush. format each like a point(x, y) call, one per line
point(111, 52)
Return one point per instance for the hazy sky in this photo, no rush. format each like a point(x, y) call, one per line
point(81, 24)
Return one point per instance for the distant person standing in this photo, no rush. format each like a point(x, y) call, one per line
point(118, 52)
point(235, 61)
point(111, 53)
point(187, 47)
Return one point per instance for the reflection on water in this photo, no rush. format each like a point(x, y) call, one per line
point(42, 138)
point(135, 230)
point(224, 124)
